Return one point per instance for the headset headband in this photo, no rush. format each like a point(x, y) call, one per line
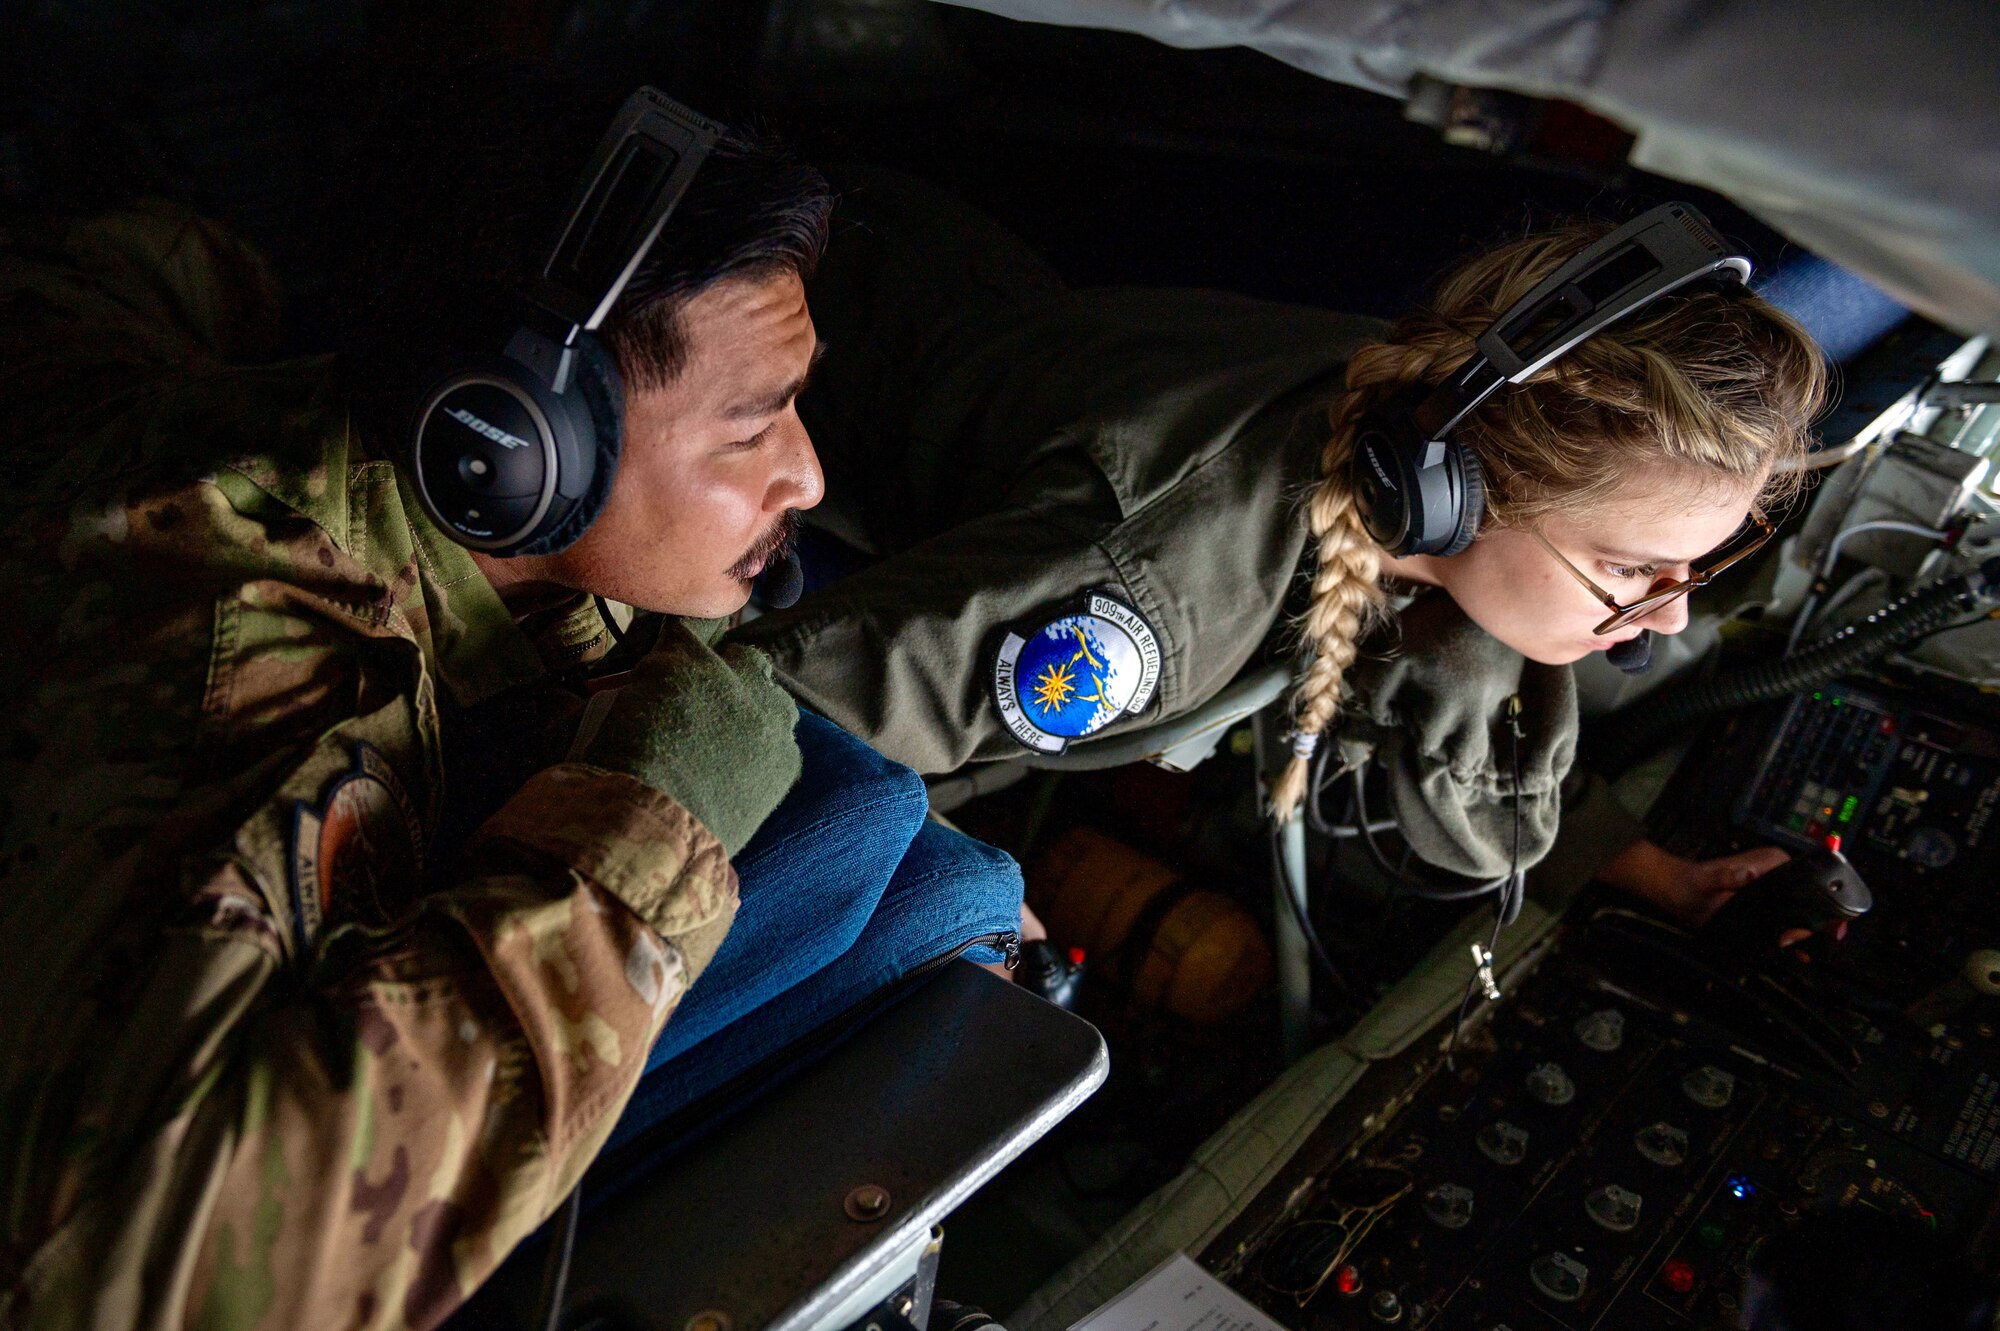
point(1421, 492)
point(634, 179)
point(515, 454)
point(1653, 254)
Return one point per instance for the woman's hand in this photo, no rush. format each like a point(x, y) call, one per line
point(1689, 891)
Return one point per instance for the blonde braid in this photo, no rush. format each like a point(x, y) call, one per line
point(1713, 384)
point(1347, 597)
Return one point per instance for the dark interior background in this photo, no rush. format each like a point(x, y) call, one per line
point(1123, 160)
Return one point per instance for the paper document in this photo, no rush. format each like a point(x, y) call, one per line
point(1178, 1296)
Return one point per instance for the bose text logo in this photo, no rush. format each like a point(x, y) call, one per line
point(493, 432)
point(1368, 451)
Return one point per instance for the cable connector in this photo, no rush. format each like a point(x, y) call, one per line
point(1482, 969)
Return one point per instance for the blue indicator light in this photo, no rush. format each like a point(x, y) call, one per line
point(1740, 1187)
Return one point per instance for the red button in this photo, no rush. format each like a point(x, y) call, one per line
point(1677, 1275)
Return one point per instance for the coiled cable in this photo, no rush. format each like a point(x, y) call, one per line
point(1621, 740)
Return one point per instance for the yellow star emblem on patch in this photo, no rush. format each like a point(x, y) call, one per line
point(1054, 686)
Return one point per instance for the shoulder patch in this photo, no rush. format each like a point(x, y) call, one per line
point(1070, 673)
point(358, 851)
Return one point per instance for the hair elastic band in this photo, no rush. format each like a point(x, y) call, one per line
point(1304, 745)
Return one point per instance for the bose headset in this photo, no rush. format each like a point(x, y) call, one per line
point(1420, 491)
point(514, 454)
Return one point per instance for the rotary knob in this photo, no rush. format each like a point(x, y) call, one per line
point(1662, 1143)
point(1385, 1308)
point(1613, 1207)
point(1502, 1142)
point(1560, 1276)
point(1709, 1086)
point(1603, 1030)
point(1548, 1083)
point(1449, 1205)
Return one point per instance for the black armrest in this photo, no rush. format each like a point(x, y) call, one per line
point(927, 1101)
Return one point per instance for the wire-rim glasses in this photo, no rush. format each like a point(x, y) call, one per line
point(1624, 615)
point(1307, 1253)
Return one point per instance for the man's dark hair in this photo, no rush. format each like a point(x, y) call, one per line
point(458, 192)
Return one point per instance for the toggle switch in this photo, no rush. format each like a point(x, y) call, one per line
point(1502, 1142)
point(1560, 1276)
point(1603, 1030)
point(1551, 1085)
point(1662, 1143)
point(1449, 1205)
point(1709, 1086)
point(1613, 1207)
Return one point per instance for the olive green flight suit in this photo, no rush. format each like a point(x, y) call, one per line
point(1008, 443)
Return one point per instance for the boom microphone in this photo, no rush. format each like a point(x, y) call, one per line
point(1634, 656)
point(783, 579)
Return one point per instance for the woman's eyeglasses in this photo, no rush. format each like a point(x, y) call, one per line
point(1738, 549)
point(1306, 1254)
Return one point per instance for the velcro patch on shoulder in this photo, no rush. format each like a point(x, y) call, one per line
point(1067, 673)
point(357, 852)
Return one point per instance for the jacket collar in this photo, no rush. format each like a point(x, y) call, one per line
point(318, 466)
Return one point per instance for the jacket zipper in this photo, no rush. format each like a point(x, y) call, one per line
point(1007, 943)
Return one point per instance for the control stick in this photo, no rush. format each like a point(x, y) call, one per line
point(1819, 891)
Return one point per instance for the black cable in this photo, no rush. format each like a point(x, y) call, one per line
point(610, 621)
point(1509, 892)
point(555, 1268)
point(1417, 884)
point(1508, 907)
point(1315, 793)
point(1977, 619)
point(1298, 910)
point(1620, 741)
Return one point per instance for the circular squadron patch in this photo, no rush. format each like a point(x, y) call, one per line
point(1073, 674)
point(360, 846)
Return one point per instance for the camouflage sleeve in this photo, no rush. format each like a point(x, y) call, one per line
point(257, 1070)
point(364, 1148)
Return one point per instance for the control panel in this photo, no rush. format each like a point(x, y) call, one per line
point(1623, 1137)
point(1915, 789)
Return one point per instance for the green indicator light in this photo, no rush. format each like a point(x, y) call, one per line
point(1818, 696)
point(1836, 702)
point(1711, 1234)
point(1848, 807)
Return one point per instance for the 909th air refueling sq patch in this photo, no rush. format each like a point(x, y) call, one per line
point(1069, 675)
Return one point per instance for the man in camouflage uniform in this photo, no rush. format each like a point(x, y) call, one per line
point(325, 976)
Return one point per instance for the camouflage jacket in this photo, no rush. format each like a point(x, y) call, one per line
point(270, 1056)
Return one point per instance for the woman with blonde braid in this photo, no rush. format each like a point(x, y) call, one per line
point(1091, 509)
point(1622, 474)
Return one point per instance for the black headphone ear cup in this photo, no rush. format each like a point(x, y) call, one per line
point(603, 393)
point(1472, 502)
point(1381, 496)
point(595, 403)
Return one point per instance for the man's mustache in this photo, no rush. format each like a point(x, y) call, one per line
point(783, 532)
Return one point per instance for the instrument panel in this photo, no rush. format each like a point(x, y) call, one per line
point(1621, 1142)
